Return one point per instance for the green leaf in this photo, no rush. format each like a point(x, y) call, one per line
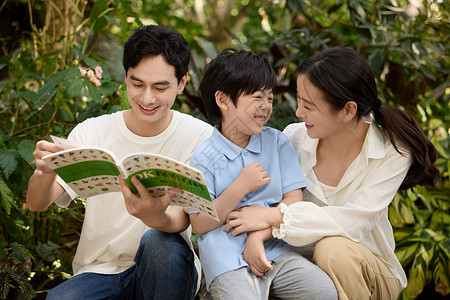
point(89, 61)
point(7, 196)
point(29, 95)
point(416, 282)
point(48, 251)
point(26, 149)
point(4, 285)
point(8, 160)
point(441, 274)
point(51, 83)
point(376, 60)
point(208, 47)
point(108, 88)
point(406, 254)
point(405, 212)
point(401, 234)
point(445, 247)
point(93, 93)
point(74, 88)
point(19, 274)
point(395, 218)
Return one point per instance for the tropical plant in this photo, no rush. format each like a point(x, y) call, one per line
point(54, 83)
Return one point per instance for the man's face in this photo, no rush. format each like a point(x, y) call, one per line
point(151, 91)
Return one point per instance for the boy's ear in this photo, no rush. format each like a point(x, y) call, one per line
point(182, 84)
point(349, 111)
point(222, 100)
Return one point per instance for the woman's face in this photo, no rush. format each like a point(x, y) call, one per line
point(314, 110)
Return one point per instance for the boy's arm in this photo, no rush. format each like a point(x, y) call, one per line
point(251, 178)
point(292, 197)
point(256, 217)
point(254, 254)
point(43, 189)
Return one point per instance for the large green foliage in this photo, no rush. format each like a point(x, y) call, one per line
point(45, 93)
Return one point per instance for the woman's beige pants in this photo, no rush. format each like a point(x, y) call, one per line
point(356, 272)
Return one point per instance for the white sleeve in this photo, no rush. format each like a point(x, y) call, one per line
point(305, 223)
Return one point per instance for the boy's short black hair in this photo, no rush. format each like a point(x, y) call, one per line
point(235, 73)
point(155, 40)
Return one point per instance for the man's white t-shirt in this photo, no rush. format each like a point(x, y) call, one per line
point(110, 235)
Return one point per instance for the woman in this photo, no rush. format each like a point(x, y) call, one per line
point(355, 154)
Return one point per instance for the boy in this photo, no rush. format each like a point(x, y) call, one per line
point(237, 161)
point(118, 256)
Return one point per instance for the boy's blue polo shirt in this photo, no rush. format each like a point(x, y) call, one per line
point(221, 161)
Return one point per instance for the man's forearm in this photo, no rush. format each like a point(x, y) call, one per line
point(42, 191)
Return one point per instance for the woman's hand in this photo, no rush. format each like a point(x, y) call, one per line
point(254, 254)
point(252, 218)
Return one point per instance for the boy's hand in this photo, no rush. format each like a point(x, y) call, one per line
point(252, 177)
point(254, 254)
point(44, 148)
point(151, 210)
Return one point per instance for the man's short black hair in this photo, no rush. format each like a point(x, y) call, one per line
point(235, 73)
point(151, 40)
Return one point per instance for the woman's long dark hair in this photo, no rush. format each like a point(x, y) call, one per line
point(343, 75)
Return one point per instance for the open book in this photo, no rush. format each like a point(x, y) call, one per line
point(92, 171)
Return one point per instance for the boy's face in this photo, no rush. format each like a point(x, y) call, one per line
point(248, 116)
point(151, 91)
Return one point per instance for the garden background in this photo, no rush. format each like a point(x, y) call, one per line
point(42, 91)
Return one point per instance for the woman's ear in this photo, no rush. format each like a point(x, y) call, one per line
point(222, 100)
point(350, 109)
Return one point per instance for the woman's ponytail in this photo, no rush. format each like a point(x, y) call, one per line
point(402, 129)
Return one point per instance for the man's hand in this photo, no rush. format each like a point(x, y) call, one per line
point(254, 254)
point(44, 148)
point(42, 187)
point(252, 177)
point(152, 211)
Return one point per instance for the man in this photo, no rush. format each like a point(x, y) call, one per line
point(118, 255)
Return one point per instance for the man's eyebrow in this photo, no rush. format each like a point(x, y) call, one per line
point(135, 78)
point(164, 82)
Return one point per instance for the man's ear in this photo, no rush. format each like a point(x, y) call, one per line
point(182, 84)
point(222, 100)
point(349, 111)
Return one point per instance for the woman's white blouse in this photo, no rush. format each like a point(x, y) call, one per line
point(358, 207)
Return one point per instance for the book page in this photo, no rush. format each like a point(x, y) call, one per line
point(88, 171)
point(158, 173)
point(64, 143)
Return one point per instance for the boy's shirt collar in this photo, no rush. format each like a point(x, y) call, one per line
point(232, 151)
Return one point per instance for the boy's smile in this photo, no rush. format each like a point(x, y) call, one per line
point(246, 118)
point(152, 87)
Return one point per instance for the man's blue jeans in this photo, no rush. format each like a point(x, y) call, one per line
point(164, 270)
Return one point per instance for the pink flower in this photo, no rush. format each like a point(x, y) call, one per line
point(90, 74)
point(82, 71)
point(97, 82)
point(98, 72)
